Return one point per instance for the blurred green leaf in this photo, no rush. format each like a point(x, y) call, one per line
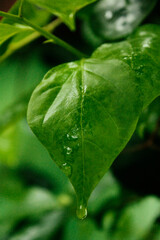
point(37, 201)
point(14, 112)
point(65, 9)
point(40, 161)
point(15, 89)
point(30, 203)
point(21, 78)
point(8, 146)
point(80, 230)
point(136, 220)
point(157, 235)
point(108, 224)
point(114, 19)
point(43, 230)
point(18, 202)
point(107, 191)
point(11, 194)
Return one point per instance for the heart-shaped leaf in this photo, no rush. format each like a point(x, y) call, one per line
point(85, 112)
point(65, 9)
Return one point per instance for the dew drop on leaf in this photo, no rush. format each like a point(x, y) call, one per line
point(81, 212)
point(68, 150)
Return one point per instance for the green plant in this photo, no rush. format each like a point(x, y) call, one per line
point(85, 112)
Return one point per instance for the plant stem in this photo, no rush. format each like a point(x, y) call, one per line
point(20, 8)
point(55, 39)
point(44, 33)
point(11, 16)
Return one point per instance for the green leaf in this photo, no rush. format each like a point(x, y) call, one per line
point(45, 229)
point(79, 230)
point(20, 39)
point(7, 31)
point(85, 112)
point(142, 53)
point(39, 161)
point(156, 235)
point(8, 146)
point(18, 203)
point(108, 196)
point(65, 9)
point(137, 219)
point(32, 13)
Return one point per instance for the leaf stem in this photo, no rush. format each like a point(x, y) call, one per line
point(44, 33)
point(20, 8)
point(55, 39)
point(10, 16)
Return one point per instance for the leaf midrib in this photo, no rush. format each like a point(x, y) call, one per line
point(81, 121)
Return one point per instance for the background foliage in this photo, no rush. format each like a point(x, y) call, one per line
point(37, 201)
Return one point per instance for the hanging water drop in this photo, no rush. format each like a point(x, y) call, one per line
point(81, 212)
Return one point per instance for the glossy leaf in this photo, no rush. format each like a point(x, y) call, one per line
point(65, 9)
point(142, 53)
point(85, 112)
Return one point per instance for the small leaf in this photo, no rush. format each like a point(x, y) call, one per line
point(65, 9)
point(20, 39)
point(85, 112)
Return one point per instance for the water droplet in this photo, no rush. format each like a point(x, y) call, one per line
point(74, 137)
point(68, 150)
point(81, 212)
point(66, 168)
